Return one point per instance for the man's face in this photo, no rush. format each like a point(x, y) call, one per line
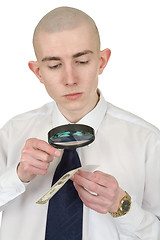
point(68, 66)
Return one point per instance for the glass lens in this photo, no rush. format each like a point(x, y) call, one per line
point(71, 136)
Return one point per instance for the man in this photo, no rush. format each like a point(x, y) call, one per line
point(126, 149)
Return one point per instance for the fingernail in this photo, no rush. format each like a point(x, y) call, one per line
point(57, 153)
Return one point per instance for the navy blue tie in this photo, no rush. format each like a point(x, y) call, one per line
point(65, 210)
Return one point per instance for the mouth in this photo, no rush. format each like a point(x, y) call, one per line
point(73, 96)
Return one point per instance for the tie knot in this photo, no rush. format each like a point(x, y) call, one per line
point(72, 150)
point(70, 160)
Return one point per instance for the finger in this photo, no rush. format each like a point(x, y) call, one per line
point(92, 201)
point(34, 170)
point(99, 177)
point(43, 146)
point(37, 154)
point(29, 160)
point(89, 185)
point(105, 193)
point(85, 196)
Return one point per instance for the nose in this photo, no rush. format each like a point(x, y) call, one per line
point(70, 77)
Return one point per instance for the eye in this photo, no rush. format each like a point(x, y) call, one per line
point(55, 66)
point(82, 62)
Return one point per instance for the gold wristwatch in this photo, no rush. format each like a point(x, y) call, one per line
point(124, 206)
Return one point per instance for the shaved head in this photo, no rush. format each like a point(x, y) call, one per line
point(62, 19)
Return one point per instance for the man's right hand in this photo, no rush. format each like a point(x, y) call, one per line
point(35, 159)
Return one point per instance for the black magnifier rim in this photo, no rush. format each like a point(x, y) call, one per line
point(71, 127)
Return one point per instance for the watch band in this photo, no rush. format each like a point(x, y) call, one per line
point(124, 206)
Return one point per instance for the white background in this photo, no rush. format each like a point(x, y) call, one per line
point(130, 28)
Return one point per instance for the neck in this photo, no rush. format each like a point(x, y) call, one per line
point(76, 115)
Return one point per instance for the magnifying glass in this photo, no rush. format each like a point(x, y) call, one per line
point(71, 136)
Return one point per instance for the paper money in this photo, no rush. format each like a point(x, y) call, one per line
point(59, 184)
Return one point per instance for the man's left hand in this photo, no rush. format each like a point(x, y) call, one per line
point(98, 191)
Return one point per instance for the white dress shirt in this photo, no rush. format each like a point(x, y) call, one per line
point(126, 147)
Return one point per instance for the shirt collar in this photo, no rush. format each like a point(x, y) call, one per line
point(93, 118)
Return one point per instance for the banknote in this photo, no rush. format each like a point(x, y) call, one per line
point(59, 184)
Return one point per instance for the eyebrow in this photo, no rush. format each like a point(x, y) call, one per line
point(50, 59)
point(79, 54)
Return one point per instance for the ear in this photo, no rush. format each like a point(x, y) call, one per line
point(34, 67)
point(104, 57)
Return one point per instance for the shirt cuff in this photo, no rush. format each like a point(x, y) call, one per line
point(132, 219)
point(10, 185)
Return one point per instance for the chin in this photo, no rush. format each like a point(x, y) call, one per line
point(75, 106)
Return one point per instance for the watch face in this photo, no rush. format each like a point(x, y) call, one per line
point(125, 206)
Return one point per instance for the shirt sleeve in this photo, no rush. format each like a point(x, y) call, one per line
point(142, 221)
point(10, 185)
point(138, 224)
